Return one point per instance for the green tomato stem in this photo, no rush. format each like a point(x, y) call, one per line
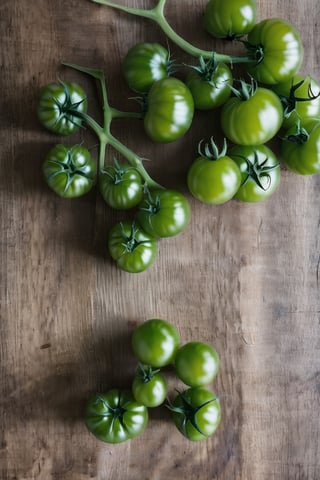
point(103, 133)
point(157, 15)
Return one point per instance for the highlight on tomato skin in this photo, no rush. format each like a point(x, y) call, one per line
point(229, 19)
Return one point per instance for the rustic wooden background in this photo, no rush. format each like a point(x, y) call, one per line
point(242, 277)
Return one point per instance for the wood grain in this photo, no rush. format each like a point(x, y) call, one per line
point(242, 277)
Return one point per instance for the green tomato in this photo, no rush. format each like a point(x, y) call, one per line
point(260, 172)
point(276, 50)
point(163, 213)
point(229, 18)
point(196, 413)
point(155, 342)
point(210, 84)
point(300, 148)
point(144, 64)
point(133, 249)
point(213, 177)
point(196, 363)
point(58, 106)
point(170, 110)
point(300, 97)
point(253, 118)
point(69, 171)
point(121, 186)
point(149, 386)
point(115, 416)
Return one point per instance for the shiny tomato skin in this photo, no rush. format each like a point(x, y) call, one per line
point(57, 106)
point(144, 64)
point(210, 93)
point(249, 190)
point(229, 18)
point(132, 249)
point(150, 389)
point(170, 110)
point(278, 51)
point(121, 187)
point(115, 416)
point(196, 413)
point(69, 171)
point(303, 157)
point(213, 181)
point(155, 342)
point(164, 213)
point(252, 121)
point(196, 363)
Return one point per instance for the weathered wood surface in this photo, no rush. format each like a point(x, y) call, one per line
point(242, 277)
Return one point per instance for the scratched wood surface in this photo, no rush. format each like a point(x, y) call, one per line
point(242, 277)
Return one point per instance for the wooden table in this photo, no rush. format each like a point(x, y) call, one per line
point(242, 277)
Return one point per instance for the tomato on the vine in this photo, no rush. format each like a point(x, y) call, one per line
point(149, 386)
point(196, 413)
point(133, 249)
point(300, 148)
point(213, 177)
point(58, 106)
point(69, 171)
point(115, 416)
point(169, 110)
point(209, 84)
point(300, 97)
point(229, 19)
point(121, 186)
point(260, 172)
point(163, 213)
point(196, 363)
point(155, 342)
point(253, 116)
point(276, 49)
point(144, 64)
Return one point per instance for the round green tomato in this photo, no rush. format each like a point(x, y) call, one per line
point(300, 97)
point(115, 416)
point(155, 342)
point(229, 18)
point(196, 363)
point(260, 172)
point(149, 386)
point(210, 88)
point(163, 213)
point(121, 186)
point(69, 171)
point(133, 249)
point(144, 64)
point(170, 110)
point(196, 413)
point(276, 49)
point(252, 121)
point(214, 181)
point(300, 150)
point(58, 106)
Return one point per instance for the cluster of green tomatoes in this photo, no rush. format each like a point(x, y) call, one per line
point(122, 414)
point(273, 100)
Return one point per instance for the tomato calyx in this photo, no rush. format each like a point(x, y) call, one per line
point(289, 102)
point(246, 90)
point(299, 137)
point(188, 411)
point(67, 108)
point(116, 172)
point(257, 171)
point(255, 52)
point(211, 150)
point(146, 372)
point(130, 241)
point(206, 69)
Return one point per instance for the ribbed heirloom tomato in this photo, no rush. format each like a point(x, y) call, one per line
point(170, 110)
point(58, 106)
point(115, 416)
point(144, 64)
point(69, 171)
point(229, 18)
